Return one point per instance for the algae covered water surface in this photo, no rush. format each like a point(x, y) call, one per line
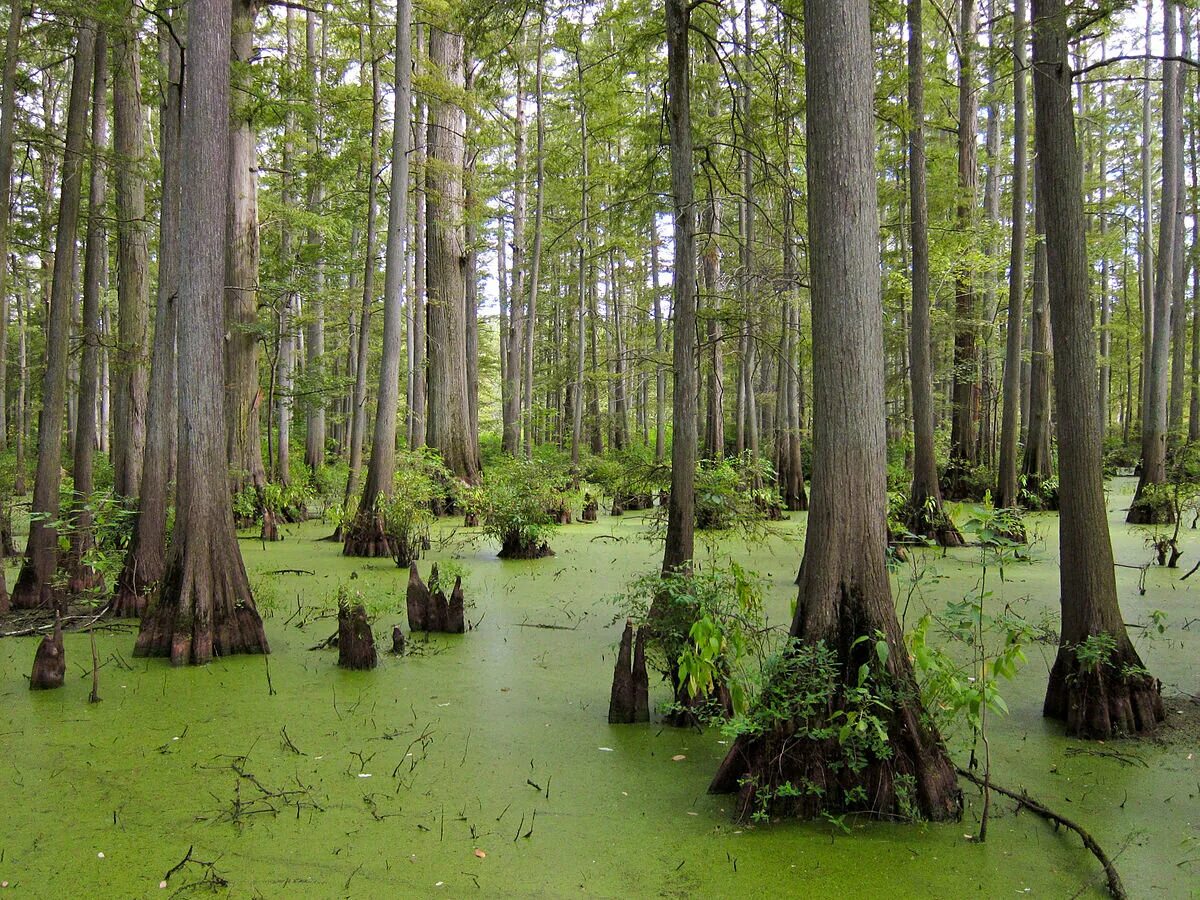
point(483, 765)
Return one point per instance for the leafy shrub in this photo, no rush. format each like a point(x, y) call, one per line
point(408, 514)
point(514, 505)
point(735, 493)
point(708, 630)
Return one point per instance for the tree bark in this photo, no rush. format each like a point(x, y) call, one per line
point(926, 516)
point(314, 337)
point(358, 406)
point(367, 535)
point(1006, 488)
point(449, 420)
point(131, 390)
point(1154, 411)
point(243, 399)
point(844, 592)
point(964, 447)
point(81, 577)
point(1116, 695)
point(35, 584)
point(8, 84)
point(205, 607)
point(1038, 464)
point(145, 560)
point(681, 516)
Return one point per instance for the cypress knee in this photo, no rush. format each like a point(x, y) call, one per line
point(50, 662)
point(418, 600)
point(620, 704)
point(641, 681)
point(356, 643)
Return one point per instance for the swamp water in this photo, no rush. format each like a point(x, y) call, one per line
point(483, 765)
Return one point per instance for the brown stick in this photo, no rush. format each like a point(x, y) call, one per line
point(1114, 880)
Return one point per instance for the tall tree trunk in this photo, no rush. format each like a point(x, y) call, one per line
point(1115, 695)
point(130, 392)
point(1146, 234)
point(205, 607)
point(145, 560)
point(1179, 283)
point(681, 515)
point(287, 307)
point(35, 584)
point(81, 577)
point(1038, 465)
point(314, 337)
point(358, 406)
point(449, 408)
point(1145, 510)
point(844, 592)
point(242, 395)
point(535, 265)
point(964, 448)
point(8, 84)
point(418, 400)
point(515, 364)
point(926, 516)
point(367, 536)
point(584, 262)
point(1006, 488)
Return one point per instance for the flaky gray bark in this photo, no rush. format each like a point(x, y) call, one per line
point(314, 308)
point(449, 409)
point(366, 536)
point(243, 399)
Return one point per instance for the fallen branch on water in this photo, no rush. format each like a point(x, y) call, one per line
point(1024, 800)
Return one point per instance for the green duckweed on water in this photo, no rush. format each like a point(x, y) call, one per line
point(483, 764)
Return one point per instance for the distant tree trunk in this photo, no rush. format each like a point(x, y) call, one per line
point(314, 338)
point(844, 592)
point(1154, 412)
point(1006, 488)
point(1038, 464)
point(81, 577)
point(681, 514)
point(535, 266)
point(964, 448)
point(1105, 271)
point(358, 406)
point(145, 560)
point(584, 262)
point(515, 364)
point(285, 365)
point(243, 399)
point(1146, 235)
point(926, 516)
point(205, 607)
point(1115, 695)
point(8, 85)
point(35, 584)
point(418, 401)
point(1194, 152)
point(449, 419)
point(367, 535)
point(1179, 327)
point(660, 348)
point(130, 392)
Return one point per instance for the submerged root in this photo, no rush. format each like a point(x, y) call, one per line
point(516, 547)
point(366, 538)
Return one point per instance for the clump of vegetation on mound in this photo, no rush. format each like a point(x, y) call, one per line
point(519, 504)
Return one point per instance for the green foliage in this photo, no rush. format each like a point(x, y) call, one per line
point(707, 625)
point(516, 500)
point(1095, 652)
point(408, 511)
point(735, 493)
